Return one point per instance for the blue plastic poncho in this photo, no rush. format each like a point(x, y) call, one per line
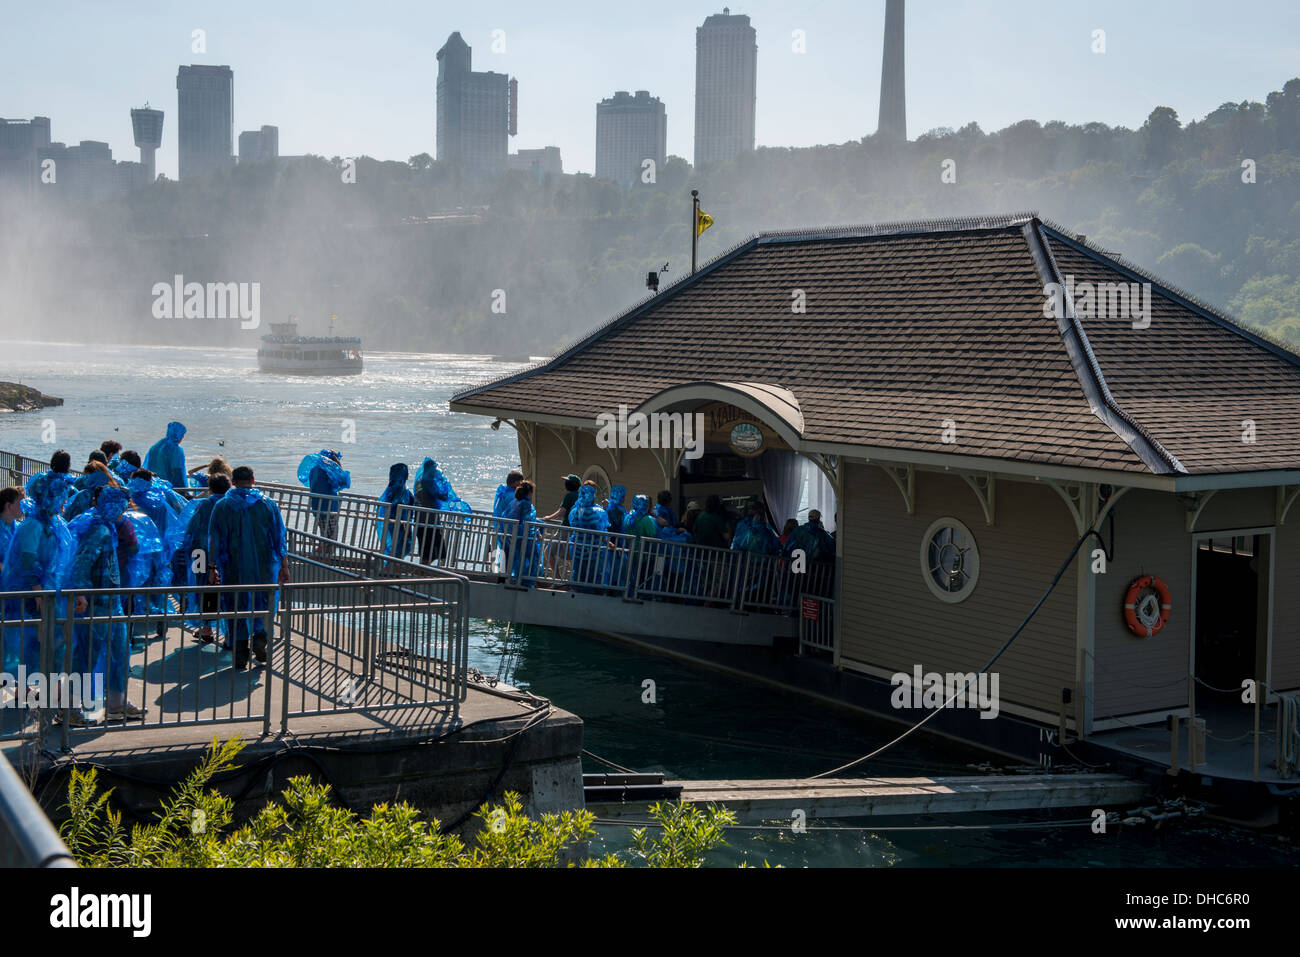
point(632, 521)
point(247, 538)
point(156, 500)
point(85, 498)
point(815, 541)
point(393, 521)
point(248, 545)
point(525, 556)
point(756, 536)
point(36, 559)
point(124, 470)
point(615, 509)
point(7, 530)
point(322, 473)
point(166, 458)
point(505, 495)
point(590, 551)
point(95, 565)
point(439, 491)
point(187, 535)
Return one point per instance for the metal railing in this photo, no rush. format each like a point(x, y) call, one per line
point(386, 635)
point(816, 623)
point(480, 545)
point(27, 838)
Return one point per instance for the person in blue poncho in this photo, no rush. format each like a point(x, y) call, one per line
point(505, 497)
point(188, 542)
point(36, 560)
point(525, 554)
point(614, 507)
point(639, 524)
point(97, 475)
point(323, 473)
point(166, 458)
point(128, 464)
point(156, 499)
point(248, 547)
point(434, 491)
point(673, 575)
point(95, 565)
point(589, 550)
point(11, 513)
point(394, 516)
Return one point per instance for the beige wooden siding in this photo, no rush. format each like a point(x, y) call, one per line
point(891, 620)
point(1238, 508)
point(1132, 674)
point(1286, 604)
point(638, 469)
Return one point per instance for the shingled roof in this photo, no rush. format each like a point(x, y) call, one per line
point(907, 325)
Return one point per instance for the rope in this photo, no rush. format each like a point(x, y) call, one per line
point(1025, 826)
point(608, 763)
point(1060, 572)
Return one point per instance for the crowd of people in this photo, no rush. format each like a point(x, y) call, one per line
point(122, 524)
point(596, 560)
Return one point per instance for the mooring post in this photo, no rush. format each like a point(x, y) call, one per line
point(1172, 720)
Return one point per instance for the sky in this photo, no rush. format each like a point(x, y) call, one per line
point(342, 78)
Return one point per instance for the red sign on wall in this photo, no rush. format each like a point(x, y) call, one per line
point(811, 609)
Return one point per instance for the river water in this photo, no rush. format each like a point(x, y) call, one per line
point(702, 724)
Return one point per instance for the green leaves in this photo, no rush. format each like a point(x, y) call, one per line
point(305, 828)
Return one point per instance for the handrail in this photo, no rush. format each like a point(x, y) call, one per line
point(27, 838)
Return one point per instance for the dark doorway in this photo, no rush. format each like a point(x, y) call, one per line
point(1232, 578)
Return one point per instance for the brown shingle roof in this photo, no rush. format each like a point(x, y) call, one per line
point(907, 326)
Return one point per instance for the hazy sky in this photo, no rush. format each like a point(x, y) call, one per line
point(344, 78)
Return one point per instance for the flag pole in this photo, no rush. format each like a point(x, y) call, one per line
point(695, 225)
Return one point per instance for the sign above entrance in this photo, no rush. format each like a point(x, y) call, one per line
point(746, 439)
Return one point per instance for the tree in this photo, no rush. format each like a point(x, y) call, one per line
point(1160, 135)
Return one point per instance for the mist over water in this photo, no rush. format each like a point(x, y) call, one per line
point(130, 393)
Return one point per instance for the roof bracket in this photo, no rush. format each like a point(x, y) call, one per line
point(1286, 496)
point(614, 456)
point(983, 485)
point(904, 477)
point(1075, 496)
point(1195, 503)
point(568, 437)
point(829, 465)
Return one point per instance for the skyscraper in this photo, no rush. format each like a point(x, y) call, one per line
point(629, 131)
point(205, 119)
point(147, 125)
point(726, 65)
point(21, 142)
point(893, 93)
point(475, 111)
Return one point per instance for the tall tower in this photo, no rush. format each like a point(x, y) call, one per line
point(629, 131)
point(205, 119)
point(726, 66)
point(893, 94)
point(477, 112)
point(147, 125)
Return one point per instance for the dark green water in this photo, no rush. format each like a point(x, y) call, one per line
point(705, 724)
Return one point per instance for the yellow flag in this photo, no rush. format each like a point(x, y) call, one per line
point(702, 221)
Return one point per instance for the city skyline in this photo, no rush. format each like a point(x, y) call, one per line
point(1038, 67)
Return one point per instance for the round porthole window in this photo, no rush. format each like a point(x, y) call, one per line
point(950, 560)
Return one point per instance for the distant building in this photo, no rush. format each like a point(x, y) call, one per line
point(475, 111)
point(541, 163)
point(205, 119)
point(629, 130)
point(147, 125)
point(726, 65)
point(893, 89)
point(258, 145)
point(20, 144)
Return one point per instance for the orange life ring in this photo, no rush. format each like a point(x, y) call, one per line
point(1147, 605)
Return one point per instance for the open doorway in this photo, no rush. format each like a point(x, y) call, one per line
point(1233, 581)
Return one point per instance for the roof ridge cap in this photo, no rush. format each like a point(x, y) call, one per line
point(1099, 394)
point(905, 227)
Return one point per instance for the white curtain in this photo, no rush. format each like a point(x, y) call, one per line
point(782, 475)
point(821, 495)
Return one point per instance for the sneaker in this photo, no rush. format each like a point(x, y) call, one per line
point(126, 711)
point(205, 637)
point(259, 646)
point(241, 657)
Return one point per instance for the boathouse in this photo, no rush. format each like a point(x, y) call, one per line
point(970, 398)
